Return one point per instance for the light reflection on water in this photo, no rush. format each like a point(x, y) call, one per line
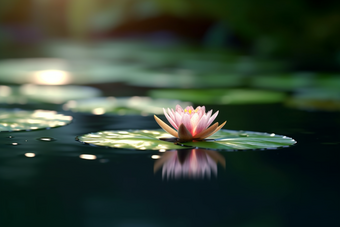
point(30, 155)
point(88, 156)
point(5, 90)
point(46, 139)
point(51, 77)
point(193, 163)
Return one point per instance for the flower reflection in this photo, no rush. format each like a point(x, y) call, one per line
point(191, 124)
point(193, 163)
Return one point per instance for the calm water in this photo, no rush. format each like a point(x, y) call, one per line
point(295, 186)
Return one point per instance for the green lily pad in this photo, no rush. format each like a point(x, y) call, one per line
point(251, 65)
point(150, 140)
point(55, 94)
point(114, 50)
point(220, 96)
point(9, 95)
point(50, 71)
point(316, 99)
point(35, 70)
point(328, 81)
point(283, 82)
point(152, 55)
point(243, 140)
point(122, 106)
point(22, 120)
point(131, 139)
point(232, 63)
point(182, 78)
point(142, 51)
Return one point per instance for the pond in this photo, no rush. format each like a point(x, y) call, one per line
point(48, 178)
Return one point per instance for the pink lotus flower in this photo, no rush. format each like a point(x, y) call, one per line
point(195, 163)
point(191, 124)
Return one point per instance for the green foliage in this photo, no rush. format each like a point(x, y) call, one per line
point(292, 28)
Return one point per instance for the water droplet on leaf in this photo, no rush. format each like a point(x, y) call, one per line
point(46, 139)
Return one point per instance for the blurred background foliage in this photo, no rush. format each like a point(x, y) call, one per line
point(305, 32)
point(219, 53)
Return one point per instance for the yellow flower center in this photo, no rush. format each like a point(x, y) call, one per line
point(190, 111)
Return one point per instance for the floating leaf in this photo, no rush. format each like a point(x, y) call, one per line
point(183, 78)
point(232, 63)
point(150, 140)
point(122, 106)
point(53, 71)
point(243, 140)
point(220, 96)
point(131, 139)
point(283, 82)
point(328, 81)
point(22, 120)
point(35, 70)
point(136, 51)
point(316, 99)
point(113, 50)
point(162, 79)
point(55, 94)
point(9, 95)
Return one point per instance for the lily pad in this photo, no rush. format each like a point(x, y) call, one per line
point(131, 139)
point(182, 78)
point(35, 70)
point(243, 140)
point(57, 94)
point(122, 106)
point(53, 71)
point(9, 95)
point(221, 96)
point(114, 50)
point(284, 82)
point(232, 63)
point(204, 65)
point(136, 50)
point(328, 81)
point(150, 140)
point(316, 99)
point(22, 120)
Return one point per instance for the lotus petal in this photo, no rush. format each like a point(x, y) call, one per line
point(183, 134)
point(166, 127)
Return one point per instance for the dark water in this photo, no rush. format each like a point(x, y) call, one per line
point(295, 186)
